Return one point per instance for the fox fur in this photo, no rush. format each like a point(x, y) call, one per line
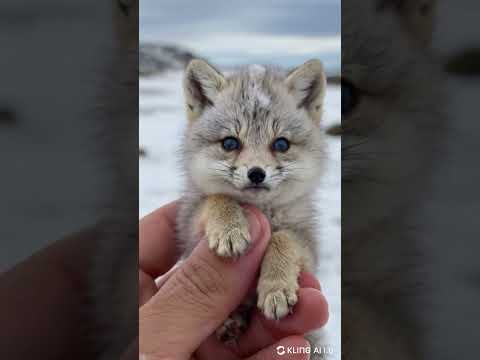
point(256, 105)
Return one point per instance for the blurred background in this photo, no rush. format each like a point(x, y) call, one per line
point(229, 34)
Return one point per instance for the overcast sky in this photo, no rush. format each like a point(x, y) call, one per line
point(231, 32)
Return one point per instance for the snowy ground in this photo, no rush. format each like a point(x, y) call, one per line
point(162, 121)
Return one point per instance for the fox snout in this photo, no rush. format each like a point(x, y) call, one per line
point(256, 175)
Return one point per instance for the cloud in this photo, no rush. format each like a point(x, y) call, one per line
point(263, 44)
point(284, 32)
point(293, 17)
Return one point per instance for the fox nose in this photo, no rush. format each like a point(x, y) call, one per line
point(256, 175)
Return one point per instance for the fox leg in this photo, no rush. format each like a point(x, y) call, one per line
point(237, 323)
point(225, 224)
point(278, 283)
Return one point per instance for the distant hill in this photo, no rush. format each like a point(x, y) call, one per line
point(334, 80)
point(156, 58)
point(466, 63)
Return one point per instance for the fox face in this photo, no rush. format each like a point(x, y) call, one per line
point(254, 135)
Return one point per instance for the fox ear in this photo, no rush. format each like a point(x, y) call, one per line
point(307, 84)
point(418, 17)
point(201, 85)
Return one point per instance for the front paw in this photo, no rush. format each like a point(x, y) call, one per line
point(277, 300)
point(232, 329)
point(228, 240)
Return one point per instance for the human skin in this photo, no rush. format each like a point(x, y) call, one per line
point(43, 300)
point(179, 313)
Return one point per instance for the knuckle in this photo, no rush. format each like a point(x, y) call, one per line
point(202, 281)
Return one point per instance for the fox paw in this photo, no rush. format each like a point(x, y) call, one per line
point(278, 301)
point(230, 240)
point(231, 329)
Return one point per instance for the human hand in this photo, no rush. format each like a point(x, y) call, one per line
point(179, 314)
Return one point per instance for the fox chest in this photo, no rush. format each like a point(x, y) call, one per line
point(279, 219)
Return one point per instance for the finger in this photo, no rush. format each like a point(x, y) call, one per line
point(146, 287)
point(164, 278)
point(149, 287)
point(308, 280)
point(310, 313)
point(157, 251)
point(212, 348)
point(280, 350)
point(193, 303)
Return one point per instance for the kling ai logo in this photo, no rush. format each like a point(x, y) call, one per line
point(282, 350)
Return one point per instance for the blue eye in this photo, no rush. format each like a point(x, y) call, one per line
point(281, 145)
point(349, 98)
point(230, 144)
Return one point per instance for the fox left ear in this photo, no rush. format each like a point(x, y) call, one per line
point(307, 84)
point(201, 85)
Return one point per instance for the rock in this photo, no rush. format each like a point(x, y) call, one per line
point(335, 130)
point(466, 62)
point(334, 80)
point(8, 117)
point(156, 58)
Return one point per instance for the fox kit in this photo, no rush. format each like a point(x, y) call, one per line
point(254, 137)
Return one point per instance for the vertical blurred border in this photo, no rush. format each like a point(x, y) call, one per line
point(410, 269)
point(69, 178)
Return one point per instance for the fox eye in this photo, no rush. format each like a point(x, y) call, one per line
point(230, 144)
point(349, 98)
point(281, 145)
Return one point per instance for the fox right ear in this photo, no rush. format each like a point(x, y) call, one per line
point(307, 84)
point(201, 85)
point(418, 17)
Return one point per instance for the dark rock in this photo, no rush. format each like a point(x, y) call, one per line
point(466, 62)
point(335, 130)
point(334, 80)
point(155, 58)
point(7, 117)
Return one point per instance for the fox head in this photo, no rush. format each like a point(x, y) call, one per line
point(254, 135)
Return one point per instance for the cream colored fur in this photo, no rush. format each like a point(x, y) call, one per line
point(257, 105)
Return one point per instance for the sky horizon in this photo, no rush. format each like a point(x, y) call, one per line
point(283, 32)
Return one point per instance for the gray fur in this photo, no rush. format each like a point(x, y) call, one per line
point(255, 105)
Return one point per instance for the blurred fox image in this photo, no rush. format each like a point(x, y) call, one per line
point(392, 130)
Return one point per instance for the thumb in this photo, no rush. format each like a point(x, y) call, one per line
point(200, 295)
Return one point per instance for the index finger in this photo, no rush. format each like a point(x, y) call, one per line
point(157, 250)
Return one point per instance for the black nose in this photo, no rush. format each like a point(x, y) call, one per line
point(256, 175)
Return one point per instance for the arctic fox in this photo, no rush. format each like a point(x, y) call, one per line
point(254, 137)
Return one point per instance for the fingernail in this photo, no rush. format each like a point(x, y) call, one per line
point(255, 226)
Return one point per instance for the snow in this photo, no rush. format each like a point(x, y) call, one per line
point(161, 124)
